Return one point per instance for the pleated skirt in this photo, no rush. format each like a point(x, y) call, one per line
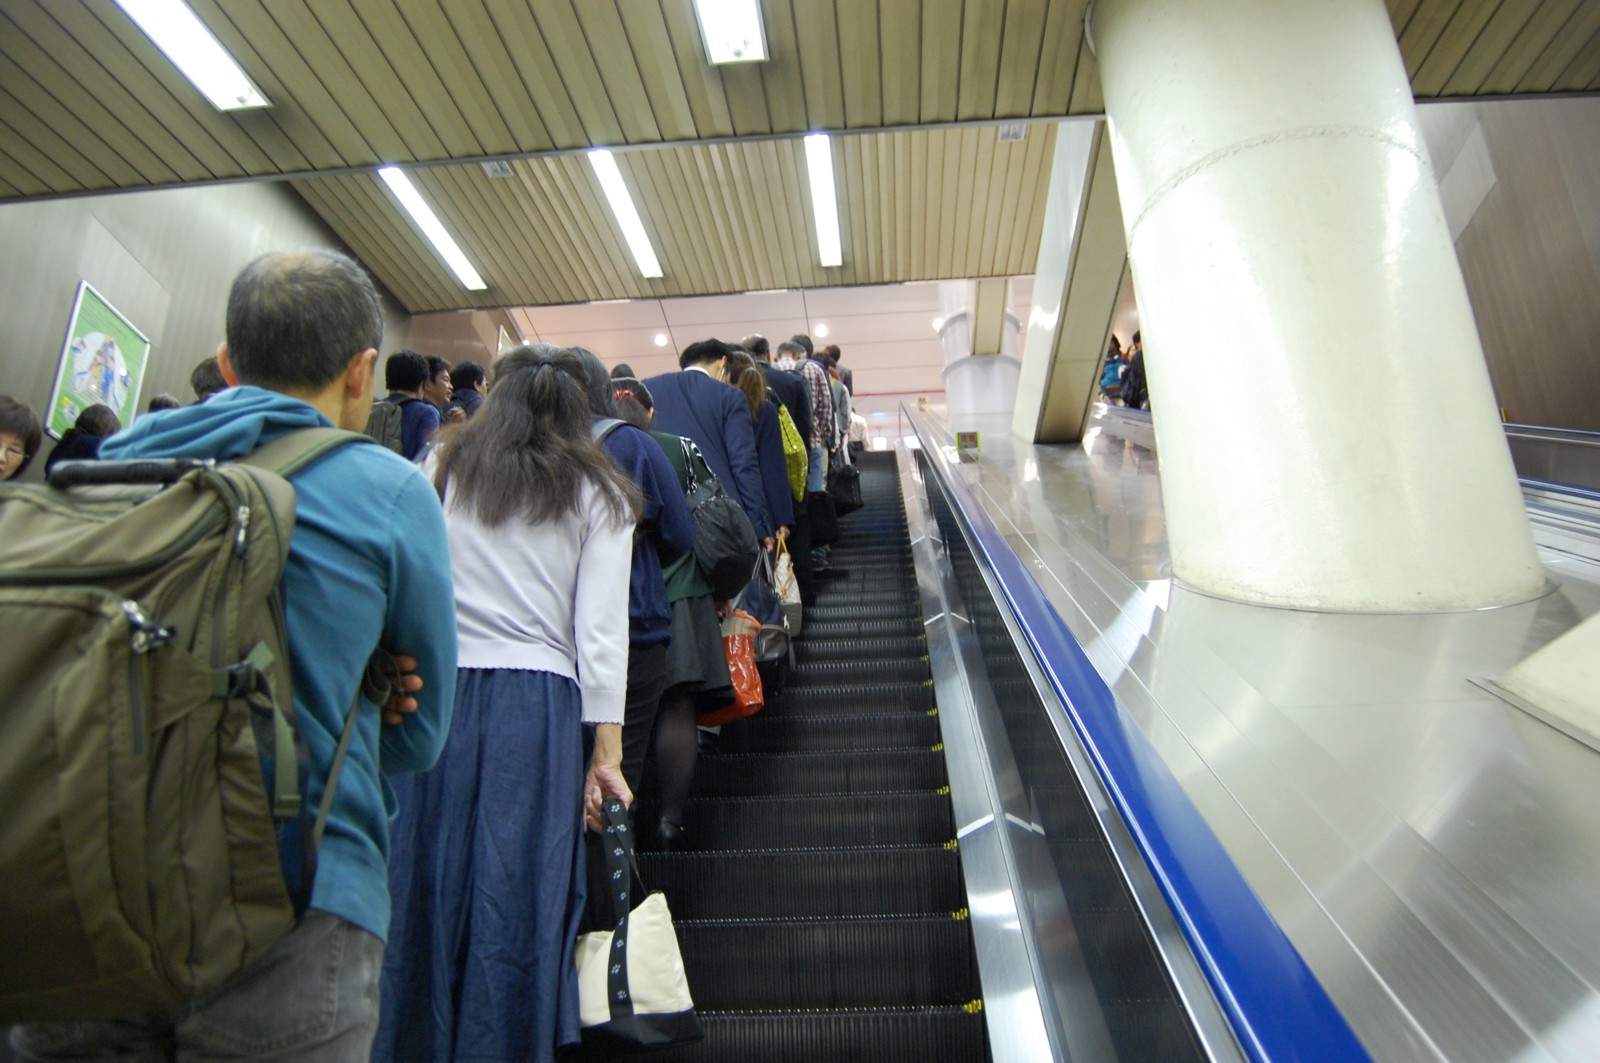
point(486, 880)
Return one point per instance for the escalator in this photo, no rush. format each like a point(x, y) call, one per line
point(822, 903)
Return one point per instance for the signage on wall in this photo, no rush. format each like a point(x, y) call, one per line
point(102, 361)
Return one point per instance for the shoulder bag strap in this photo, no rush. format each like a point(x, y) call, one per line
point(293, 451)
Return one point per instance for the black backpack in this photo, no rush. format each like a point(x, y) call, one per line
point(725, 543)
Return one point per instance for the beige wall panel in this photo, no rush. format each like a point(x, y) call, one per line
point(460, 335)
point(925, 380)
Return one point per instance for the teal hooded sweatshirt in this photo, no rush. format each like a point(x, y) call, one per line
point(368, 566)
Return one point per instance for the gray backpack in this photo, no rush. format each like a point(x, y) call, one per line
point(387, 423)
point(147, 685)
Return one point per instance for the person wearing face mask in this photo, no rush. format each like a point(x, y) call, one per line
point(20, 436)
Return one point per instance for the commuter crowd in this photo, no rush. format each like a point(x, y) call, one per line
point(518, 542)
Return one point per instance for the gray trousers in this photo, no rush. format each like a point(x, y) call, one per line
point(313, 998)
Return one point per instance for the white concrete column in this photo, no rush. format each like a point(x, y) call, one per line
point(1327, 431)
point(975, 384)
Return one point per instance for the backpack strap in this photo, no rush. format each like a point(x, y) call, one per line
point(293, 451)
point(604, 427)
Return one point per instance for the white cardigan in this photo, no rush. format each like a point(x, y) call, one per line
point(550, 597)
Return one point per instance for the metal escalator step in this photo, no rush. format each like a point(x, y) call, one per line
point(856, 1035)
point(852, 629)
point(828, 612)
point(879, 648)
point(785, 733)
point(854, 698)
point(821, 821)
point(814, 963)
point(806, 883)
point(844, 671)
point(746, 774)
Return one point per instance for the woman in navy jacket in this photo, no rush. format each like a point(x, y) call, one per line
point(748, 378)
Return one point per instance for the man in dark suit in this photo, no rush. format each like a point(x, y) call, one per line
point(696, 403)
point(788, 387)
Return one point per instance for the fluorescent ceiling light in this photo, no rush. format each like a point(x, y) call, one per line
point(661, 339)
point(731, 30)
point(627, 215)
point(184, 39)
point(431, 227)
point(821, 330)
point(819, 162)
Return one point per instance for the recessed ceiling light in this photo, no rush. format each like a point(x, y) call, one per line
point(198, 55)
point(732, 30)
point(627, 215)
point(824, 207)
point(430, 225)
point(661, 339)
point(822, 330)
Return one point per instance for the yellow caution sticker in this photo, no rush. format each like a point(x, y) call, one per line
point(972, 1007)
point(939, 748)
point(960, 915)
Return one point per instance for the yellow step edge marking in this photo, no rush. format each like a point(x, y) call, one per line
point(951, 846)
point(934, 711)
point(939, 748)
point(943, 791)
point(972, 1007)
point(960, 915)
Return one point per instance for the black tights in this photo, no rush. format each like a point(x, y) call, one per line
point(677, 749)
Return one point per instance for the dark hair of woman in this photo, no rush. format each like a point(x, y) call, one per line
point(620, 370)
point(633, 401)
point(97, 420)
point(529, 451)
point(596, 381)
point(743, 374)
point(163, 401)
point(18, 419)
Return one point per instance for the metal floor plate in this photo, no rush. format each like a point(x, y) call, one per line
point(1432, 851)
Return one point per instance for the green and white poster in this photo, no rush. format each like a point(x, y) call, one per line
point(103, 360)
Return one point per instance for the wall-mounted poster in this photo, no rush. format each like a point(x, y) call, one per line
point(103, 360)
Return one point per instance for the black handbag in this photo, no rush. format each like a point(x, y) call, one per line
point(844, 487)
point(725, 543)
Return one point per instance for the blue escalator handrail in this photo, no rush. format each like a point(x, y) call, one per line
point(1278, 1009)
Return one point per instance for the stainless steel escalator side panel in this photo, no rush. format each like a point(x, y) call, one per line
point(1555, 455)
point(1062, 978)
point(1014, 974)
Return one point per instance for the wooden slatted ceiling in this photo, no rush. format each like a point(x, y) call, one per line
point(86, 102)
point(723, 218)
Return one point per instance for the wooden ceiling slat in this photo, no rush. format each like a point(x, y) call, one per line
point(48, 111)
point(604, 36)
point(594, 248)
point(1086, 92)
point(857, 251)
point(40, 67)
point(1503, 29)
point(873, 213)
point(797, 195)
point(662, 171)
point(28, 127)
point(440, 31)
point(702, 83)
point(739, 250)
point(1024, 259)
point(900, 60)
point(381, 217)
point(817, 29)
point(328, 141)
point(941, 59)
point(777, 81)
point(456, 194)
point(523, 41)
point(991, 184)
point(949, 142)
point(900, 194)
point(393, 132)
point(790, 247)
point(580, 76)
point(920, 188)
point(655, 58)
point(1021, 52)
point(702, 183)
point(1456, 40)
point(746, 96)
point(1059, 48)
point(757, 191)
point(411, 75)
point(1013, 207)
point(19, 170)
point(1401, 13)
point(593, 215)
point(1423, 31)
point(728, 162)
point(977, 153)
point(1584, 24)
point(1536, 36)
point(489, 54)
point(1583, 69)
point(524, 274)
point(981, 34)
point(883, 173)
point(125, 53)
point(376, 233)
point(568, 278)
point(860, 63)
point(9, 189)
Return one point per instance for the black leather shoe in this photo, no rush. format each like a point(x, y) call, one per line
point(669, 836)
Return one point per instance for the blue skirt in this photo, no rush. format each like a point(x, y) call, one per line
point(486, 880)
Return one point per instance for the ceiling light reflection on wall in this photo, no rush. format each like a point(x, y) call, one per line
point(824, 206)
point(430, 225)
point(732, 30)
point(198, 55)
point(627, 215)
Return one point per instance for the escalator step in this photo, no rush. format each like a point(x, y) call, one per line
point(857, 1035)
point(820, 649)
point(844, 671)
point(841, 629)
point(855, 819)
point(781, 733)
point(825, 612)
point(806, 883)
point(746, 774)
point(811, 963)
point(855, 698)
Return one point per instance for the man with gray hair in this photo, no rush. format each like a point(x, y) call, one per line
point(364, 570)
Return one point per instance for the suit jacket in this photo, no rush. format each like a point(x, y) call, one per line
point(793, 392)
point(849, 379)
point(717, 417)
point(774, 466)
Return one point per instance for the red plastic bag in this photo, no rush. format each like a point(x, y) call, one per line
point(739, 641)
